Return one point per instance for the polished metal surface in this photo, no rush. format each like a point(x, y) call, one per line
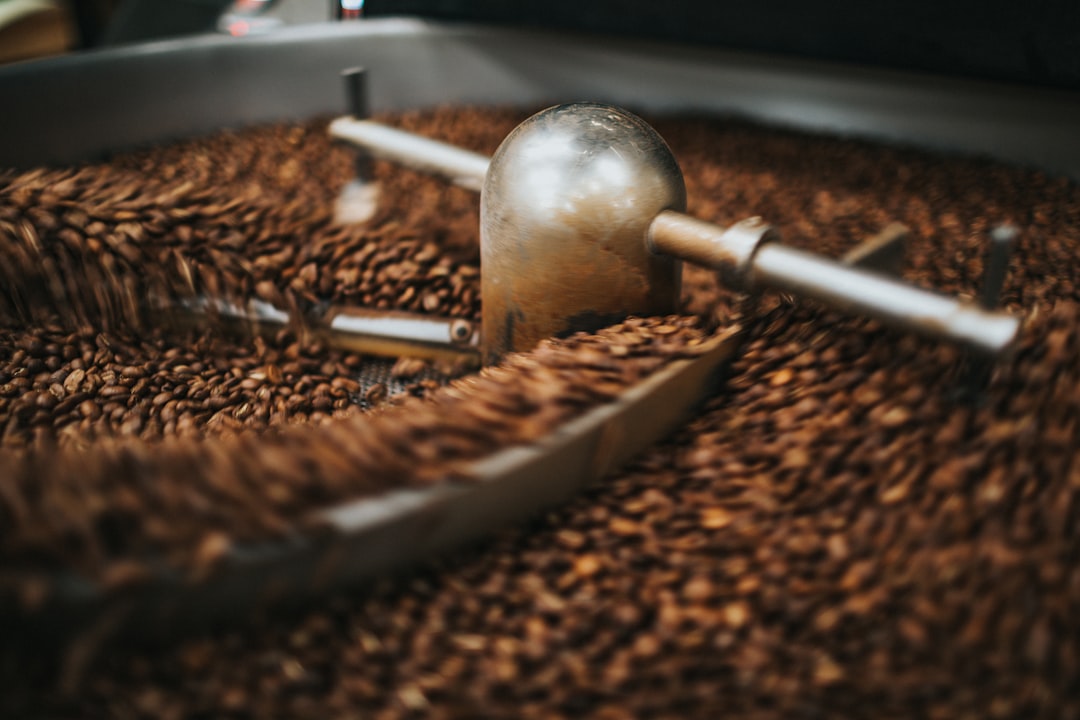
point(381, 333)
point(729, 252)
point(388, 333)
point(460, 167)
point(580, 225)
point(566, 204)
point(747, 256)
point(899, 304)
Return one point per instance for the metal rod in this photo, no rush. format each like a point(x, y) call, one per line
point(853, 290)
point(996, 266)
point(978, 370)
point(882, 253)
point(767, 264)
point(729, 250)
point(743, 252)
point(356, 92)
point(359, 199)
point(461, 167)
point(385, 333)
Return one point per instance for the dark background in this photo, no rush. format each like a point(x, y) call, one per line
point(1035, 42)
point(1031, 43)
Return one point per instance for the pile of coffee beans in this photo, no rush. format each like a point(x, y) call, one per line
point(72, 388)
point(857, 524)
point(98, 504)
point(232, 217)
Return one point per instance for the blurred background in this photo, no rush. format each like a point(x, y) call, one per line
point(1033, 43)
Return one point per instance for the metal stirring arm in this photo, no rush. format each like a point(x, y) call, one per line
point(746, 252)
point(383, 333)
point(460, 167)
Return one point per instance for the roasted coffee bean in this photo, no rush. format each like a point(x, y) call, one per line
point(170, 382)
point(201, 446)
point(842, 530)
point(119, 243)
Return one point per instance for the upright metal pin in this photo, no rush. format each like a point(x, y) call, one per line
point(996, 265)
point(356, 91)
point(995, 269)
point(883, 253)
point(359, 199)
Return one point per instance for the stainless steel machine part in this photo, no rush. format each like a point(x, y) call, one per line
point(382, 333)
point(996, 266)
point(133, 95)
point(394, 334)
point(453, 164)
point(563, 218)
point(579, 221)
point(891, 301)
point(837, 285)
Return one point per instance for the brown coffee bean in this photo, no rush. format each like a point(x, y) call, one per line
point(833, 533)
point(375, 394)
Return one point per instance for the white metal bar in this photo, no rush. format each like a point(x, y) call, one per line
point(851, 289)
point(461, 167)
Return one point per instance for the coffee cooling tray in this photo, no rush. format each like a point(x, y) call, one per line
point(77, 108)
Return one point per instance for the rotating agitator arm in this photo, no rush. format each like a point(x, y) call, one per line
point(582, 222)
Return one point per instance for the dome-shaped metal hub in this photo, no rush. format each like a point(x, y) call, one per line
point(566, 205)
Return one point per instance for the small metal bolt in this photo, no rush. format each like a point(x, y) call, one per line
point(460, 331)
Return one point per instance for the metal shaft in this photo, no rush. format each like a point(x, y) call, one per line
point(384, 333)
point(743, 253)
point(746, 253)
point(461, 167)
point(897, 303)
point(996, 267)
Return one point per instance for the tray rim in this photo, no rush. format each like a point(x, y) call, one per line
point(218, 81)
